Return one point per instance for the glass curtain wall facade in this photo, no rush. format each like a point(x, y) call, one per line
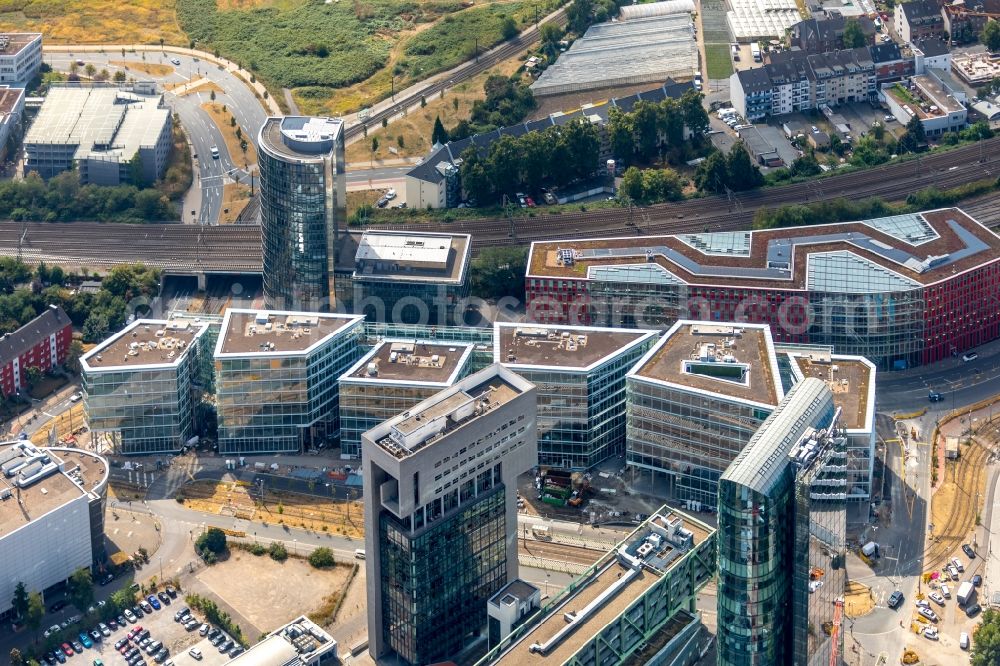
point(271, 404)
point(302, 206)
point(581, 413)
point(146, 410)
point(689, 436)
point(436, 579)
point(397, 301)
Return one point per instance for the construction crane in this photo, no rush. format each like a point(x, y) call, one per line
point(838, 613)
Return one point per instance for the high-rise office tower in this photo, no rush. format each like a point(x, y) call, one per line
point(782, 522)
point(303, 198)
point(441, 514)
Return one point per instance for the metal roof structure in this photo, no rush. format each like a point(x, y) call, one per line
point(750, 20)
point(412, 257)
point(624, 53)
point(764, 459)
point(897, 253)
point(653, 9)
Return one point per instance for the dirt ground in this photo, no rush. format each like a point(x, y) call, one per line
point(222, 120)
point(152, 69)
point(954, 506)
point(235, 197)
point(189, 87)
point(65, 424)
point(858, 600)
point(96, 21)
point(270, 593)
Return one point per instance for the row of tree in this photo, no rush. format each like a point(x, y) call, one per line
point(651, 185)
point(555, 156)
point(672, 129)
point(736, 171)
point(62, 199)
point(507, 102)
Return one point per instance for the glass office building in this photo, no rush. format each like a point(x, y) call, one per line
point(579, 373)
point(303, 199)
point(276, 379)
point(408, 278)
point(441, 515)
point(757, 532)
point(140, 387)
point(394, 376)
point(695, 400)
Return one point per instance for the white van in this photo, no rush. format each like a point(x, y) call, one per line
point(955, 562)
point(359, 553)
point(945, 592)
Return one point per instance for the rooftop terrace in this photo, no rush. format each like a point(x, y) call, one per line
point(12, 43)
point(567, 347)
point(737, 362)
point(408, 257)
point(145, 342)
point(276, 332)
point(300, 138)
point(607, 589)
point(406, 361)
point(35, 481)
point(894, 253)
point(847, 379)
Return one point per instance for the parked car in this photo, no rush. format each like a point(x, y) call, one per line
point(953, 572)
point(971, 356)
point(171, 591)
point(945, 591)
point(54, 629)
point(390, 194)
point(154, 602)
point(191, 624)
point(203, 631)
point(181, 614)
point(936, 598)
point(955, 562)
point(85, 639)
point(973, 610)
point(931, 633)
point(77, 646)
point(928, 613)
point(67, 650)
point(977, 581)
point(107, 579)
point(530, 202)
point(163, 597)
point(963, 640)
point(57, 606)
point(967, 549)
point(195, 653)
point(130, 616)
point(236, 651)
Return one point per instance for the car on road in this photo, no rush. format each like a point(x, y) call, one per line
point(971, 356)
point(928, 613)
point(215, 152)
point(195, 653)
point(936, 598)
point(967, 549)
point(175, 61)
point(895, 599)
point(106, 579)
point(973, 610)
point(935, 396)
point(977, 581)
point(963, 640)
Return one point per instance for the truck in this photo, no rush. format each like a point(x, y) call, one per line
point(870, 549)
point(541, 532)
point(965, 592)
point(755, 52)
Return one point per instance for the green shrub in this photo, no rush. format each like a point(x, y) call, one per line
point(278, 552)
point(322, 558)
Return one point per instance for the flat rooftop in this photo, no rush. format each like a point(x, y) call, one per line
point(301, 138)
point(410, 256)
point(53, 487)
point(896, 253)
point(445, 412)
point(933, 101)
point(736, 361)
point(101, 122)
point(285, 644)
point(276, 332)
point(848, 380)
point(9, 98)
point(145, 342)
point(406, 361)
point(567, 347)
point(12, 43)
point(609, 571)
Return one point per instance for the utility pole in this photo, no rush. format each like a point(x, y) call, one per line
point(536, 17)
point(477, 49)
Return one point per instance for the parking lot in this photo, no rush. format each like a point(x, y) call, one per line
point(129, 644)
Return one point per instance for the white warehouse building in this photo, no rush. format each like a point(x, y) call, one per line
point(51, 516)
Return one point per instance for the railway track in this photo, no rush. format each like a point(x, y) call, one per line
point(550, 550)
point(953, 532)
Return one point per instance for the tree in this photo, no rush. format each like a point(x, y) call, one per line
point(423, 101)
point(499, 272)
point(81, 588)
point(621, 132)
point(579, 14)
point(509, 28)
point(213, 540)
point(661, 185)
point(712, 175)
point(743, 173)
point(986, 639)
point(277, 551)
point(322, 558)
point(914, 138)
point(550, 34)
point(990, 36)
point(805, 166)
point(135, 174)
point(90, 70)
point(122, 599)
point(853, 35)
point(32, 374)
point(36, 611)
point(16, 659)
point(504, 165)
point(439, 135)
point(632, 184)
point(119, 76)
point(474, 176)
point(20, 600)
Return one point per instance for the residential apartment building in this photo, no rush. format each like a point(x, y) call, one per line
point(579, 374)
point(824, 33)
point(11, 116)
point(276, 378)
point(695, 400)
point(52, 503)
point(918, 19)
point(42, 343)
point(392, 378)
point(766, 540)
point(964, 22)
point(20, 57)
point(303, 210)
point(440, 514)
point(412, 278)
point(902, 291)
point(140, 387)
point(931, 99)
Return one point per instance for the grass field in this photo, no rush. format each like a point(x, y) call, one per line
point(94, 21)
point(718, 61)
point(221, 117)
point(153, 69)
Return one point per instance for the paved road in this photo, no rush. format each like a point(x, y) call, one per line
point(210, 174)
